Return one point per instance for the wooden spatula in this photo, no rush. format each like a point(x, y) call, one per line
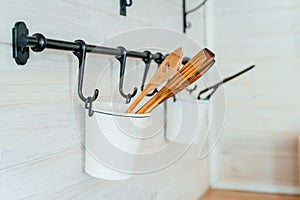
point(166, 70)
point(189, 73)
point(150, 105)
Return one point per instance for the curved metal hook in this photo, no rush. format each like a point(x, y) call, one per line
point(152, 93)
point(158, 60)
point(81, 55)
point(122, 60)
point(191, 90)
point(174, 98)
point(147, 62)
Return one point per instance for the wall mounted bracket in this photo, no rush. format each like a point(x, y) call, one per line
point(186, 24)
point(123, 5)
point(19, 42)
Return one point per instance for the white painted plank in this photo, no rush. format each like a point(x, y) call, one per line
point(30, 132)
point(236, 7)
point(34, 180)
point(190, 178)
point(275, 71)
point(61, 177)
point(262, 120)
point(91, 16)
point(258, 47)
point(258, 96)
point(261, 143)
point(256, 187)
point(266, 166)
point(275, 161)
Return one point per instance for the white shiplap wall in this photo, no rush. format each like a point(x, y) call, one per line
point(258, 149)
point(40, 154)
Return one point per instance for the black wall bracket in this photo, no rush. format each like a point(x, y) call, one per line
point(185, 12)
point(123, 5)
point(19, 42)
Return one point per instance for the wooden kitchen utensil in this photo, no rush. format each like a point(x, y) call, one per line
point(165, 71)
point(188, 74)
point(153, 103)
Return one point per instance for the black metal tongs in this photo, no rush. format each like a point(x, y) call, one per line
point(208, 92)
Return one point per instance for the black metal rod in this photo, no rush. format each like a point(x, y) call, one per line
point(184, 16)
point(72, 46)
point(197, 7)
point(38, 42)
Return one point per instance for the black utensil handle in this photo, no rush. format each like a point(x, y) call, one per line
point(215, 87)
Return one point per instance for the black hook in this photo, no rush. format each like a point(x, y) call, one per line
point(122, 60)
point(174, 98)
point(147, 62)
point(81, 55)
point(191, 90)
point(185, 13)
point(158, 60)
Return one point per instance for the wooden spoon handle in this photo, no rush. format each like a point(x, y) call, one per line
point(172, 81)
point(180, 80)
point(169, 92)
point(139, 98)
point(167, 68)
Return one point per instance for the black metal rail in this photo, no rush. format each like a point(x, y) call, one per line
point(37, 42)
point(22, 43)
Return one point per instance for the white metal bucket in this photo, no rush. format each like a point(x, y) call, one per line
point(111, 145)
point(186, 120)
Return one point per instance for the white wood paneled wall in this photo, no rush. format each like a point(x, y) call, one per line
point(40, 154)
point(258, 149)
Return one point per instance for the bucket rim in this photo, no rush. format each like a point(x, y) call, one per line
point(119, 114)
point(189, 99)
